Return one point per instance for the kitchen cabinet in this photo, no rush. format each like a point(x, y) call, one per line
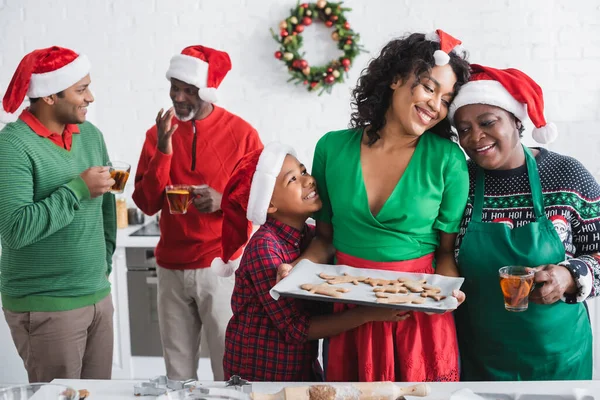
point(125, 365)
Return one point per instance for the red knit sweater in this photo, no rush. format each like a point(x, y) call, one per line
point(191, 240)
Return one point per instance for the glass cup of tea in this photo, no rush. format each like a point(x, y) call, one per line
point(119, 171)
point(516, 283)
point(179, 198)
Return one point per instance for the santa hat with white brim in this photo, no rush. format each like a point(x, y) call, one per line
point(41, 73)
point(246, 199)
point(448, 44)
point(511, 90)
point(202, 67)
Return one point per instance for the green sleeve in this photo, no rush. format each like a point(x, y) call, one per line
point(319, 173)
point(109, 216)
point(456, 191)
point(25, 221)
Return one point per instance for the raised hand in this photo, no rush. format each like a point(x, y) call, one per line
point(164, 130)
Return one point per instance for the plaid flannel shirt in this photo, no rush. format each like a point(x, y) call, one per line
point(267, 340)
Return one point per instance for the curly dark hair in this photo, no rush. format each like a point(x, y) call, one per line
point(411, 54)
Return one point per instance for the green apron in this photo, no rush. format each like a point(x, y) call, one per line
point(546, 342)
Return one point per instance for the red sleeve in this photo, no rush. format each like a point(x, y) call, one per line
point(253, 141)
point(152, 175)
point(262, 263)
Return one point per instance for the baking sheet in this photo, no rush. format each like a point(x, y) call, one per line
point(362, 294)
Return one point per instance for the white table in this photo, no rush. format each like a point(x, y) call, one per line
point(123, 389)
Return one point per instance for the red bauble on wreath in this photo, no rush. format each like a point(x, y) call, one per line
point(316, 78)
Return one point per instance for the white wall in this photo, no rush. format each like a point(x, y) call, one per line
point(130, 43)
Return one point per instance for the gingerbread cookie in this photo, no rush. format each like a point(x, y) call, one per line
point(431, 288)
point(412, 285)
point(324, 289)
point(395, 288)
point(337, 279)
point(399, 299)
point(380, 282)
point(433, 293)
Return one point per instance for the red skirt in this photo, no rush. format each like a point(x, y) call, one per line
point(420, 348)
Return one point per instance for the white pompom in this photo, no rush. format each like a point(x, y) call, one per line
point(223, 269)
point(545, 134)
point(208, 94)
point(441, 58)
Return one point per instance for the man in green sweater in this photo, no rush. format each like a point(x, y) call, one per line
point(57, 222)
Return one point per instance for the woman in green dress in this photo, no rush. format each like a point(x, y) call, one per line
point(527, 207)
point(393, 188)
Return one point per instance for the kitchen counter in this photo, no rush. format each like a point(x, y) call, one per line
point(124, 240)
point(575, 390)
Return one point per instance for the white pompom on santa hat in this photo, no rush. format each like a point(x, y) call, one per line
point(447, 43)
point(246, 199)
point(41, 73)
point(202, 67)
point(510, 89)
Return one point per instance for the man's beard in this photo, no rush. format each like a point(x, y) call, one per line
point(189, 116)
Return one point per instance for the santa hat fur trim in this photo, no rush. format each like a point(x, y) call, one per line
point(268, 167)
point(41, 73)
point(246, 198)
point(202, 67)
point(511, 90)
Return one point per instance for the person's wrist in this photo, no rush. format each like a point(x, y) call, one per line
point(571, 287)
point(360, 316)
point(164, 148)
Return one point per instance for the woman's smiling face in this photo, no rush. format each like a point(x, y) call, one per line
point(490, 136)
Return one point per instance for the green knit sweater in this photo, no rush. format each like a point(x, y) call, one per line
point(57, 242)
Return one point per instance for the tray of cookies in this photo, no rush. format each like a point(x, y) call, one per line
point(369, 287)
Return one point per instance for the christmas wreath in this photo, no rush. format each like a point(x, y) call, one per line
point(316, 78)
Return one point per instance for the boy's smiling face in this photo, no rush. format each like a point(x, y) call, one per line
point(295, 195)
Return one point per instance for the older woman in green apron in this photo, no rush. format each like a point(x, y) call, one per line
point(527, 207)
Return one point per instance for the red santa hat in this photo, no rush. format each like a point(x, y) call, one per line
point(41, 73)
point(202, 67)
point(447, 43)
point(560, 221)
point(246, 199)
point(511, 90)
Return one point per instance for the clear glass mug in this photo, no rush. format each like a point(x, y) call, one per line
point(516, 283)
point(39, 391)
point(179, 197)
point(119, 171)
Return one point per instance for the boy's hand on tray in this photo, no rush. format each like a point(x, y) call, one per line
point(282, 271)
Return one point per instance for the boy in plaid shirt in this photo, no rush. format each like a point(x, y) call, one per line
point(269, 340)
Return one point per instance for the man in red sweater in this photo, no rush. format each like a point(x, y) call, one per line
point(193, 143)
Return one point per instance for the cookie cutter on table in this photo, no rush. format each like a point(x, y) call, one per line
point(161, 385)
point(205, 393)
point(236, 388)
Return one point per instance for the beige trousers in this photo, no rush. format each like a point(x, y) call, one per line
point(75, 344)
point(189, 301)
